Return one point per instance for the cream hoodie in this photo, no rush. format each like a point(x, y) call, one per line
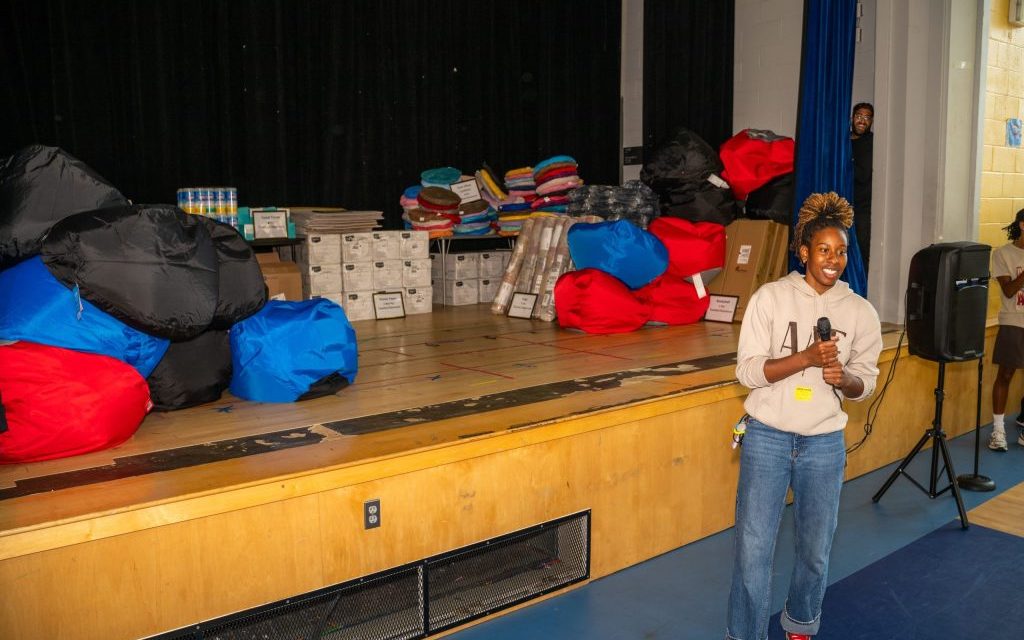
point(779, 321)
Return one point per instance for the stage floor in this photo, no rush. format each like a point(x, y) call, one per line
point(424, 381)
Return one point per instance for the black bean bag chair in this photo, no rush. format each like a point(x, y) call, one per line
point(192, 372)
point(241, 290)
point(39, 186)
point(154, 267)
point(773, 200)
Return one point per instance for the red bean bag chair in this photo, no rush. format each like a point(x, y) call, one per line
point(752, 157)
point(595, 302)
point(693, 247)
point(675, 301)
point(59, 403)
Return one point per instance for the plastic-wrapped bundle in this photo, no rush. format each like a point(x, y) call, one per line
point(633, 201)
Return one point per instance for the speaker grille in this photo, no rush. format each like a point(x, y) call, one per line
point(422, 598)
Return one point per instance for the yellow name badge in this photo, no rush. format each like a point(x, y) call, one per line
point(803, 394)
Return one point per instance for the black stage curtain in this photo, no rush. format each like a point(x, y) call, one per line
point(688, 69)
point(311, 102)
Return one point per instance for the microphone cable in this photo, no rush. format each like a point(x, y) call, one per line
point(876, 403)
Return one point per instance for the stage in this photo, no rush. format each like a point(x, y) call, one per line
point(465, 425)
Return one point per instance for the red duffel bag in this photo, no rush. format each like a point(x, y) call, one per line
point(58, 402)
point(596, 302)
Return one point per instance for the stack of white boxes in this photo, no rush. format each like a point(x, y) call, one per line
point(492, 268)
point(319, 260)
point(417, 293)
point(385, 261)
point(467, 278)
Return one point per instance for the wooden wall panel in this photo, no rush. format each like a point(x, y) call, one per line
point(159, 579)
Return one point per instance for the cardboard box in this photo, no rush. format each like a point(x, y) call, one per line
point(387, 274)
point(416, 273)
point(387, 245)
point(282, 278)
point(457, 292)
point(415, 245)
point(459, 266)
point(492, 264)
point(318, 279)
point(319, 249)
point(357, 276)
point(358, 305)
point(357, 247)
point(336, 298)
point(418, 300)
point(488, 289)
point(755, 253)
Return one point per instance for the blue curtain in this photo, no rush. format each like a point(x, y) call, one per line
point(823, 153)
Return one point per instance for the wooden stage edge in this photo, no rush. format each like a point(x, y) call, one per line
point(465, 426)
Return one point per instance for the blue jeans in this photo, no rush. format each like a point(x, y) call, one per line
point(772, 461)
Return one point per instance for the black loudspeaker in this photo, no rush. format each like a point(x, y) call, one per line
point(947, 298)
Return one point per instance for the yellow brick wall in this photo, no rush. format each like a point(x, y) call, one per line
point(1002, 167)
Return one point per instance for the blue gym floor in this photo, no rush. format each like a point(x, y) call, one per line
point(682, 594)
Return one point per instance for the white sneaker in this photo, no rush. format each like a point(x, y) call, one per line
point(1020, 439)
point(997, 441)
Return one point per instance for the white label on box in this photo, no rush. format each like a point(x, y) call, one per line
point(357, 276)
point(744, 255)
point(387, 274)
point(356, 247)
point(415, 245)
point(416, 273)
point(387, 245)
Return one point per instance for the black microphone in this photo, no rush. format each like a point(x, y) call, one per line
point(824, 329)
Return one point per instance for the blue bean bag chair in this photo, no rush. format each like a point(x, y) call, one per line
point(290, 351)
point(36, 307)
point(619, 248)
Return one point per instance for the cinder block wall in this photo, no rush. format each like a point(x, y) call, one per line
point(1002, 177)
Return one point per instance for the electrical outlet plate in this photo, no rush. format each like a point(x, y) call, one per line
point(371, 513)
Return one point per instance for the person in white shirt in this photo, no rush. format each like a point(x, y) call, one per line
point(1008, 351)
point(795, 419)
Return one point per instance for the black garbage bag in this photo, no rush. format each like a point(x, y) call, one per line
point(241, 291)
point(701, 202)
point(154, 267)
point(39, 186)
point(192, 372)
point(773, 200)
point(685, 159)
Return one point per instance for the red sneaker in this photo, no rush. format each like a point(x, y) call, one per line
point(797, 636)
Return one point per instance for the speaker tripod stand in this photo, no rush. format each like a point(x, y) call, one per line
point(937, 437)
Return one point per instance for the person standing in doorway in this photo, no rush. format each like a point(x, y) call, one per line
point(862, 141)
point(795, 419)
point(1008, 351)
